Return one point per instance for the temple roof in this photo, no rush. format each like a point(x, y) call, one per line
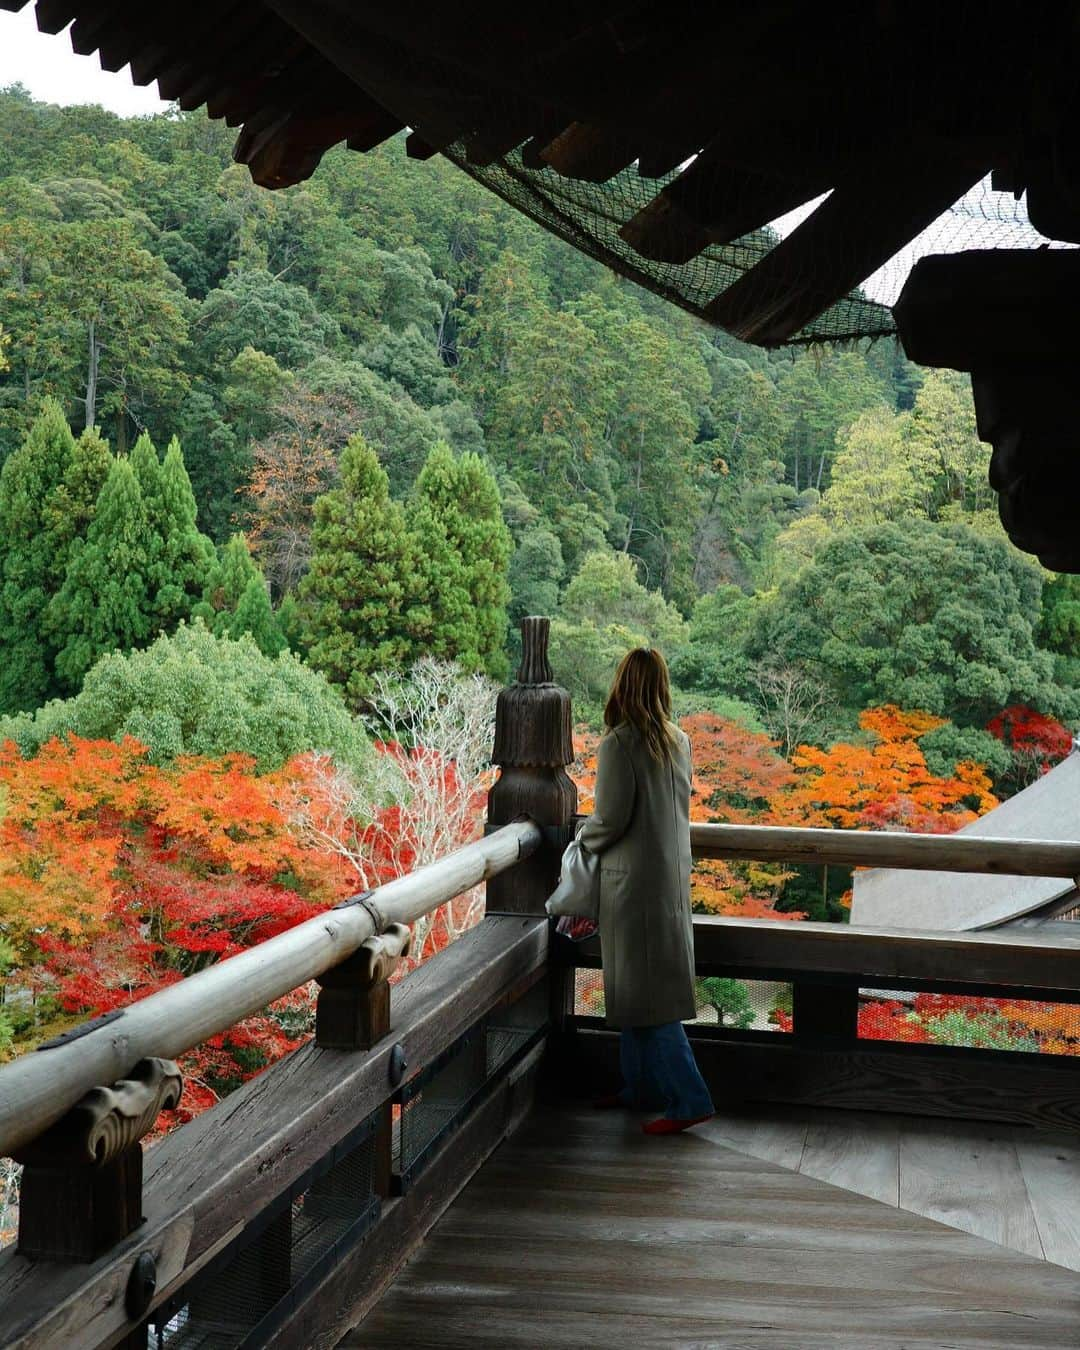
point(662, 139)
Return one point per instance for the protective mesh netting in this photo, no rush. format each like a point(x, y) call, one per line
point(591, 215)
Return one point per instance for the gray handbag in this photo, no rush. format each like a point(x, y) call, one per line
point(578, 892)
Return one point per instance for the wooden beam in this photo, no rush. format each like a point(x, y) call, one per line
point(714, 201)
point(771, 949)
point(888, 848)
point(1039, 1090)
point(999, 959)
point(37, 1089)
point(864, 222)
point(207, 1180)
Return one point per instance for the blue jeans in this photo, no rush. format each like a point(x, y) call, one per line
point(660, 1072)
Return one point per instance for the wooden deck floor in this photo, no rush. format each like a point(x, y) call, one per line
point(580, 1231)
point(1011, 1185)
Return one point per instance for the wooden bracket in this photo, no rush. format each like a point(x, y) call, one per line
point(353, 1009)
point(81, 1189)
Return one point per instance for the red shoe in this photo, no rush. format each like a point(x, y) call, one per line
point(665, 1126)
point(610, 1103)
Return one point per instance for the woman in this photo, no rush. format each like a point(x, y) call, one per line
point(640, 829)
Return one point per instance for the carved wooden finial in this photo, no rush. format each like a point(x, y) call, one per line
point(108, 1120)
point(353, 1010)
point(533, 744)
point(535, 667)
point(82, 1183)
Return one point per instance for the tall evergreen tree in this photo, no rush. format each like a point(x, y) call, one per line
point(71, 509)
point(363, 597)
point(457, 515)
point(31, 556)
point(180, 557)
point(188, 554)
point(104, 603)
point(236, 599)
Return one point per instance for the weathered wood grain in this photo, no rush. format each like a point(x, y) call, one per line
point(1050, 1166)
point(971, 1180)
point(778, 1138)
point(43, 1307)
point(350, 1290)
point(223, 1168)
point(533, 1254)
point(887, 848)
point(858, 1151)
point(1017, 960)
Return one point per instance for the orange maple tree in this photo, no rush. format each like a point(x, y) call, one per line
point(883, 783)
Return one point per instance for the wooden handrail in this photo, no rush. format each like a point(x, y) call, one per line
point(37, 1089)
point(846, 950)
point(888, 848)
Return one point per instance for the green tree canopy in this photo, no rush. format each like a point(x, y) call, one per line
point(105, 601)
point(195, 694)
point(604, 613)
point(456, 515)
point(33, 551)
point(364, 595)
point(923, 615)
point(236, 599)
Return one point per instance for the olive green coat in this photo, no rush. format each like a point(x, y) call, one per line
point(640, 829)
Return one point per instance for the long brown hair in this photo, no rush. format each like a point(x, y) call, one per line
point(641, 695)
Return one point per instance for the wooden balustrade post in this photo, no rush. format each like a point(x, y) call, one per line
point(533, 744)
point(353, 1008)
point(353, 1013)
point(81, 1189)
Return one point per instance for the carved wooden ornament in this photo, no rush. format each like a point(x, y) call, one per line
point(108, 1120)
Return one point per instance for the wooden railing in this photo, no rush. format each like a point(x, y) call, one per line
point(832, 969)
point(277, 1217)
point(288, 1174)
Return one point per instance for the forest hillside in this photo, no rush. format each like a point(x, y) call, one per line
point(282, 471)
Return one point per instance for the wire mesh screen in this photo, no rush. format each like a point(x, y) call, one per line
point(972, 1023)
point(439, 1099)
point(744, 1005)
point(430, 1105)
point(233, 1305)
point(511, 1028)
point(622, 221)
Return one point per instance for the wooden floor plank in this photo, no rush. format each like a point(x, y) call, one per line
point(1050, 1166)
point(582, 1232)
point(968, 1177)
point(777, 1137)
point(858, 1151)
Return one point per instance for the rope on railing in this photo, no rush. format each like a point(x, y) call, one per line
point(37, 1089)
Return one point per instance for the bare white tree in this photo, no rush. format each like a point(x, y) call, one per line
point(792, 704)
point(433, 727)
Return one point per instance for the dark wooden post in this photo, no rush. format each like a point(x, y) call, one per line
point(533, 744)
point(353, 1013)
point(353, 1008)
point(81, 1190)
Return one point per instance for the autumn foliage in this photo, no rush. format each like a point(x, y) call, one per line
point(119, 877)
point(883, 782)
point(1037, 741)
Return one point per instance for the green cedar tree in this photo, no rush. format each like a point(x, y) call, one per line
point(104, 603)
point(363, 597)
point(31, 559)
point(457, 515)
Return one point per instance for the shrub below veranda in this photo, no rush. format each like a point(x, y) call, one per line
point(192, 693)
